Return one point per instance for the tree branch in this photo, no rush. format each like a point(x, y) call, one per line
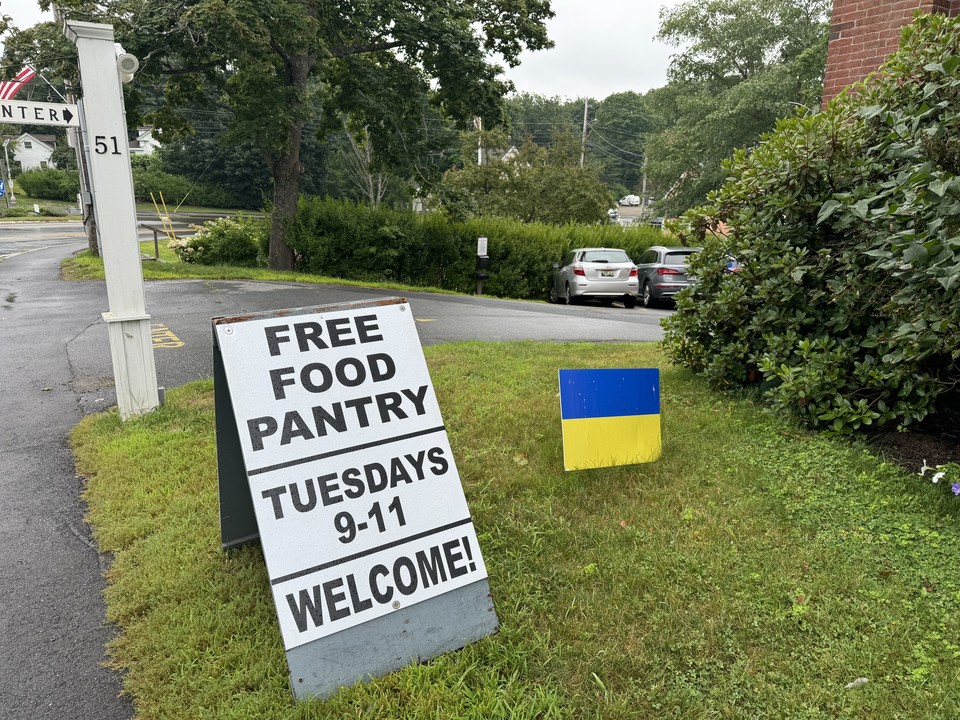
point(361, 49)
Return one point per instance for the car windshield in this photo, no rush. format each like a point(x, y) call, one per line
point(677, 258)
point(605, 256)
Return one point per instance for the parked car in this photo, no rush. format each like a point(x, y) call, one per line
point(663, 273)
point(607, 274)
point(629, 200)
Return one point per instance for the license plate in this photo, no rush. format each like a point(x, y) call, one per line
point(608, 273)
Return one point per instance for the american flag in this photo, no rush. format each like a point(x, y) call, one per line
point(12, 87)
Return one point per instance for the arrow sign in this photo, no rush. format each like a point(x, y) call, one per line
point(24, 112)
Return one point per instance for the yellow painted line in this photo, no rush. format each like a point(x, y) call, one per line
point(425, 319)
point(163, 337)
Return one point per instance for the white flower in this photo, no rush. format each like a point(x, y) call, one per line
point(938, 477)
point(923, 470)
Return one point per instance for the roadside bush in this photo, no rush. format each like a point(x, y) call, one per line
point(50, 184)
point(16, 212)
point(176, 189)
point(224, 241)
point(847, 224)
point(343, 239)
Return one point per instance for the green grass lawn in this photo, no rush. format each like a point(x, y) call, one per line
point(755, 571)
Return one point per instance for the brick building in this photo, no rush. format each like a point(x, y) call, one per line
point(864, 32)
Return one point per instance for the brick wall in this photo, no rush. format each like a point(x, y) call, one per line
point(864, 32)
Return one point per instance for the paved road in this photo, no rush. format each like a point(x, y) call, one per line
point(52, 630)
point(26, 236)
point(55, 367)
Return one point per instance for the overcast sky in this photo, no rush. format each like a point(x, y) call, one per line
point(602, 47)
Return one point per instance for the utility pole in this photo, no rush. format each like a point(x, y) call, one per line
point(6, 174)
point(6, 158)
point(643, 197)
point(478, 124)
point(583, 138)
point(75, 140)
point(103, 121)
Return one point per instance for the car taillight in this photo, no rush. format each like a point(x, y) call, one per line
point(667, 271)
point(578, 270)
point(634, 272)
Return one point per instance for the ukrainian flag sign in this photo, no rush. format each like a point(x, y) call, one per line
point(610, 417)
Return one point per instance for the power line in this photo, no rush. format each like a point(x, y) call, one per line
point(615, 147)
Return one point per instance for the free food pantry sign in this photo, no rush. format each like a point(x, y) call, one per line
point(360, 511)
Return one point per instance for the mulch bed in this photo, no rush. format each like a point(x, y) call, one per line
point(935, 441)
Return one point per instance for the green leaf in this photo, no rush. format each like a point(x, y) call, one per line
point(914, 253)
point(860, 209)
point(939, 187)
point(951, 64)
point(828, 209)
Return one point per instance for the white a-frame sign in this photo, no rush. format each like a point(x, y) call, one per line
point(332, 449)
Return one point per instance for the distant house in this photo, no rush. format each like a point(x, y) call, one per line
point(34, 151)
point(144, 143)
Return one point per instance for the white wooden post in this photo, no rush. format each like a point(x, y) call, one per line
point(104, 129)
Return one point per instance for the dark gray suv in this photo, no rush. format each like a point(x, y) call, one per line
point(663, 273)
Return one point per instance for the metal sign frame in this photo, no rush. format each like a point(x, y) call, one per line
point(404, 627)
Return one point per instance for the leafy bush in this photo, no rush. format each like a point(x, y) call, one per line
point(225, 241)
point(847, 223)
point(16, 211)
point(50, 184)
point(53, 211)
point(176, 189)
point(342, 239)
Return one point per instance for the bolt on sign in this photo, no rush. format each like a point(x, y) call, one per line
point(369, 545)
point(610, 417)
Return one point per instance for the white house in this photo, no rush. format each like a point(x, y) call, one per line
point(34, 151)
point(144, 143)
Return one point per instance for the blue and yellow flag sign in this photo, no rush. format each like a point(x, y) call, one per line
point(610, 417)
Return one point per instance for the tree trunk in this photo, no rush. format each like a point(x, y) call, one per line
point(286, 187)
point(93, 239)
point(287, 170)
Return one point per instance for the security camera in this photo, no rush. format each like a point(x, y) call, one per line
point(127, 64)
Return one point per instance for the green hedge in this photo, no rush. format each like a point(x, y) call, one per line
point(239, 241)
point(343, 239)
point(177, 189)
point(50, 184)
point(847, 223)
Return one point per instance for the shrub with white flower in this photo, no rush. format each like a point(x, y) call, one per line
point(188, 249)
point(237, 241)
point(948, 473)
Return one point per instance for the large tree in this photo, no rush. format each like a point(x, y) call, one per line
point(539, 117)
point(533, 183)
point(275, 63)
point(742, 64)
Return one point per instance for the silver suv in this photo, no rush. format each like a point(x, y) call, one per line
point(607, 274)
point(663, 273)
